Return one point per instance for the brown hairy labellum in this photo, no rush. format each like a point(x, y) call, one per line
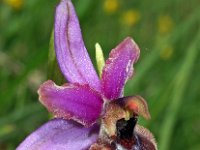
point(119, 128)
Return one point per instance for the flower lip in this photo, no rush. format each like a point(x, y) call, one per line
point(145, 138)
point(125, 128)
point(125, 133)
point(117, 110)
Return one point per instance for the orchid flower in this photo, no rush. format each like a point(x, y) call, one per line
point(90, 112)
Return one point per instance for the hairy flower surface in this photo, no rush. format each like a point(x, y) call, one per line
point(90, 113)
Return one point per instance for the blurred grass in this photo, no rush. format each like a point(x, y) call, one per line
point(167, 74)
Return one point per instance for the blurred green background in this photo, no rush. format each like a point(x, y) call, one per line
point(167, 73)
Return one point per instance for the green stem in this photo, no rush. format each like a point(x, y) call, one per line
point(181, 82)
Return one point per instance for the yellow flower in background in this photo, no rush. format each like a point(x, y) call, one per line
point(167, 53)
point(7, 129)
point(110, 6)
point(15, 4)
point(165, 24)
point(130, 17)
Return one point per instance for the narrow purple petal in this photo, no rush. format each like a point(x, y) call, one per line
point(71, 101)
point(71, 53)
point(119, 68)
point(60, 134)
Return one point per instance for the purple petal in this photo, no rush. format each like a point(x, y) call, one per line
point(60, 134)
point(119, 68)
point(71, 101)
point(71, 53)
